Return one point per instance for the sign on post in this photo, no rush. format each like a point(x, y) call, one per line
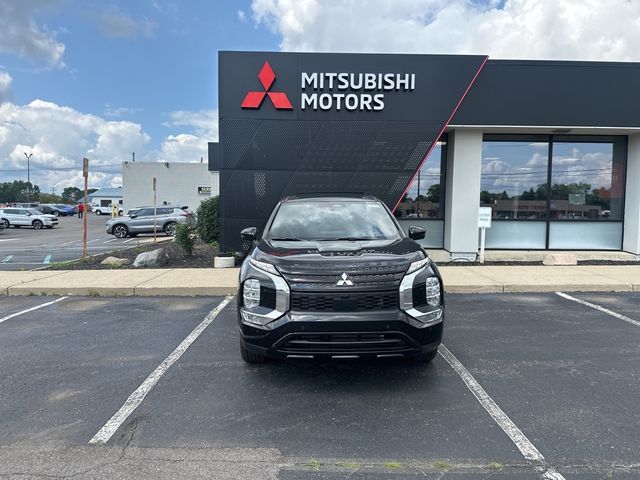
point(484, 222)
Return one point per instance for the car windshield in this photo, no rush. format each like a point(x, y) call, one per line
point(329, 220)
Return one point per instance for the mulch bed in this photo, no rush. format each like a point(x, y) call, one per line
point(203, 254)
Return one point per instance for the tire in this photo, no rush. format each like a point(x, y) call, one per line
point(37, 224)
point(120, 231)
point(425, 357)
point(5, 222)
point(170, 229)
point(250, 357)
point(98, 212)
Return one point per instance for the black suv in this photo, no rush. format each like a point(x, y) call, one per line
point(335, 276)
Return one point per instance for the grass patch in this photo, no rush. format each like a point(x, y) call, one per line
point(349, 465)
point(392, 465)
point(93, 293)
point(313, 463)
point(495, 465)
point(442, 465)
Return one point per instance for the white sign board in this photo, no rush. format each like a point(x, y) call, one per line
point(484, 217)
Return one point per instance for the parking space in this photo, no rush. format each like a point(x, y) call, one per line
point(26, 248)
point(566, 375)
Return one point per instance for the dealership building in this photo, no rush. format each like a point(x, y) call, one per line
point(552, 147)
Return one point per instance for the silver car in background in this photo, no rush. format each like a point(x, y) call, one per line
point(140, 220)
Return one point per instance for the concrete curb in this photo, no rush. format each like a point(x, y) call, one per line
point(190, 282)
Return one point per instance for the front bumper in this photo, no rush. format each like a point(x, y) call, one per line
point(362, 334)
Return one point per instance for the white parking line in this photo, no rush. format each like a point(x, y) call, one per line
point(136, 398)
point(130, 240)
point(7, 259)
point(528, 449)
point(600, 309)
point(37, 307)
point(109, 241)
point(47, 260)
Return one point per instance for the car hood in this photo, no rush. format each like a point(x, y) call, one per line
point(310, 265)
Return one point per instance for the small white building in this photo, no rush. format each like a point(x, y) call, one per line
point(104, 197)
point(177, 183)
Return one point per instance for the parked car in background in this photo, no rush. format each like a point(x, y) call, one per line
point(142, 220)
point(65, 209)
point(26, 217)
point(102, 210)
point(48, 210)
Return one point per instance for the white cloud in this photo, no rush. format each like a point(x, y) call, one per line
point(116, 112)
point(241, 15)
point(5, 86)
point(122, 25)
point(554, 29)
point(59, 137)
point(202, 127)
point(21, 35)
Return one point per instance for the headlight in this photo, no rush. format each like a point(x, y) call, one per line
point(432, 287)
point(421, 293)
point(251, 293)
point(265, 294)
point(267, 267)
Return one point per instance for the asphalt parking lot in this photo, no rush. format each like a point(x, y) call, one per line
point(566, 377)
point(27, 249)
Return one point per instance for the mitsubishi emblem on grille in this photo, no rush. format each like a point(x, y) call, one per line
point(345, 280)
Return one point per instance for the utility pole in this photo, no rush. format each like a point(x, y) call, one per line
point(28, 176)
point(85, 174)
point(133, 155)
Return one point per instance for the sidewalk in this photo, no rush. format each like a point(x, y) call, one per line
point(209, 281)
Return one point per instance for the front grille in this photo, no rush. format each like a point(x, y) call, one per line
point(337, 343)
point(379, 275)
point(347, 302)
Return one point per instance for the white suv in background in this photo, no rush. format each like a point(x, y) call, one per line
point(26, 217)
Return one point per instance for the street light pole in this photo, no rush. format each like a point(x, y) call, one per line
point(28, 176)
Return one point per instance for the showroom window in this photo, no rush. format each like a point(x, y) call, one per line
point(423, 203)
point(555, 192)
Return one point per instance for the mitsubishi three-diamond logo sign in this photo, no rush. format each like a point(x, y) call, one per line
point(279, 99)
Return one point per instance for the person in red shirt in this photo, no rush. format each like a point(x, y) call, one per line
point(80, 210)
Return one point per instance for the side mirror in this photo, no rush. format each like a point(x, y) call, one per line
point(416, 233)
point(249, 234)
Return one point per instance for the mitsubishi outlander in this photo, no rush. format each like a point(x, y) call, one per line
point(336, 277)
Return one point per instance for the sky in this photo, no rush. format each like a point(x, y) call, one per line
point(103, 79)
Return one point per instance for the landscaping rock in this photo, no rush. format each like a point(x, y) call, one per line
point(153, 259)
point(115, 261)
point(560, 259)
point(224, 262)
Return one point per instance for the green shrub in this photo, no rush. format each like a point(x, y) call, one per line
point(208, 220)
point(184, 239)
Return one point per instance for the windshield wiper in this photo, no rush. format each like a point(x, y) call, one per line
point(286, 239)
point(348, 239)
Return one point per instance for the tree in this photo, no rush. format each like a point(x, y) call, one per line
point(433, 193)
point(72, 194)
point(18, 191)
point(49, 198)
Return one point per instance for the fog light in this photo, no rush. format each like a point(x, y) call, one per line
point(251, 293)
point(432, 286)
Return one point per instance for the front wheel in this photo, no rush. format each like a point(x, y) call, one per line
point(425, 357)
point(98, 212)
point(5, 222)
point(37, 224)
point(57, 214)
point(250, 357)
point(170, 229)
point(120, 231)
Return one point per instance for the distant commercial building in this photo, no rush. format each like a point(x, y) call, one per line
point(104, 197)
point(182, 184)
